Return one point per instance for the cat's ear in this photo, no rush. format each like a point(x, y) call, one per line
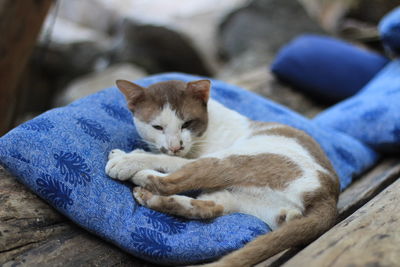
point(132, 92)
point(200, 89)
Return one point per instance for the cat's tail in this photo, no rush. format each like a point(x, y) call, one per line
point(294, 233)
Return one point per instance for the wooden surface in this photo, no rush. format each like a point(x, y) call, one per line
point(32, 233)
point(372, 183)
point(20, 23)
point(369, 237)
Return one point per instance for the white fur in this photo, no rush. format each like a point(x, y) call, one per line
point(229, 133)
point(171, 135)
point(138, 164)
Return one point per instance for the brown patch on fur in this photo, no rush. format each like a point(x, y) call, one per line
point(205, 209)
point(327, 193)
point(189, 100)
point(143, 193)
point(200, 209)
point(319, 216)
point(264, 170)
point(303, 138)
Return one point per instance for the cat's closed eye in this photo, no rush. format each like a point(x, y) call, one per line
point(187, 124)
point(158, 127)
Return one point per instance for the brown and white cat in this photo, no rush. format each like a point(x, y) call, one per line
point(272, 171)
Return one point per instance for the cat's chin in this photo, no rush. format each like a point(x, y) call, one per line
point(181, 154)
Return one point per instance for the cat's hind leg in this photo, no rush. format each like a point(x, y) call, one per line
point(178, 205)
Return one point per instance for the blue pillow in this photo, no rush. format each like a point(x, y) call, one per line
point(389, 29)
point(62, 153)
point(326, 68)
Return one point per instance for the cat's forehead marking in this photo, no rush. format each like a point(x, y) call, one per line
point(171, 94)
point(168, 118)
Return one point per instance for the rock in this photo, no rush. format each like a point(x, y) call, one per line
point(156, 49)
point(166, 36)
point(97, 81)
point(63, 31)
point(264, 25)
point(245, 62)
point(49, 69)
point(372, 11)
point(70, 60)
point(195, 20)
point(92, 14)
point(331, 14)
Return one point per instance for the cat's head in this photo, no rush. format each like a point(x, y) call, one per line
point(169, 115)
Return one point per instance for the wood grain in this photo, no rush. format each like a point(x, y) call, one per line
point(368, 186)
point(369, 237)
point(20, 23)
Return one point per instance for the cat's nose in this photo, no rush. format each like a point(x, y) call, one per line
point(176, 149)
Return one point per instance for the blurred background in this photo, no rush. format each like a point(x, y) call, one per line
point(53, 52)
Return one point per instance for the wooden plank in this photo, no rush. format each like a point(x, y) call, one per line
point(25, 220)
point(20, 23)
point(33, 234)
point(368, 186)
point(369, 237)
point(357, 194)
point(78, 248)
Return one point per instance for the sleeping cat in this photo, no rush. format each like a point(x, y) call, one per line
point(270, 170)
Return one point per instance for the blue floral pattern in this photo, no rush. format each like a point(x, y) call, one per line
point(117, 112)
point(165, 223)
point(73, 168)
point(17, 155)
point(38, 125)
point(151, 243)
point(94, 129)
point(54, 191)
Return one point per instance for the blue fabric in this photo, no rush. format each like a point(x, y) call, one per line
point(373, 115)
point(62, 153)
point(389, 29)
point(326, 68)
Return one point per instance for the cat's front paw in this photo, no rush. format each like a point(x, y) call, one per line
point(124, 166)
point(142, 195)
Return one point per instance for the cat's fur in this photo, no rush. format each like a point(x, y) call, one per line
point(272, 171)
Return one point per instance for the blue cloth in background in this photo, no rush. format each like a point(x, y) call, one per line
point(326, 68)
point(389, 29)
point(62, 153)
point(373, 115)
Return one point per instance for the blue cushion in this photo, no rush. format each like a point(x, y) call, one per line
point(373, 115)
point(389, 29)
point(326, 68)
point(62, 153)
